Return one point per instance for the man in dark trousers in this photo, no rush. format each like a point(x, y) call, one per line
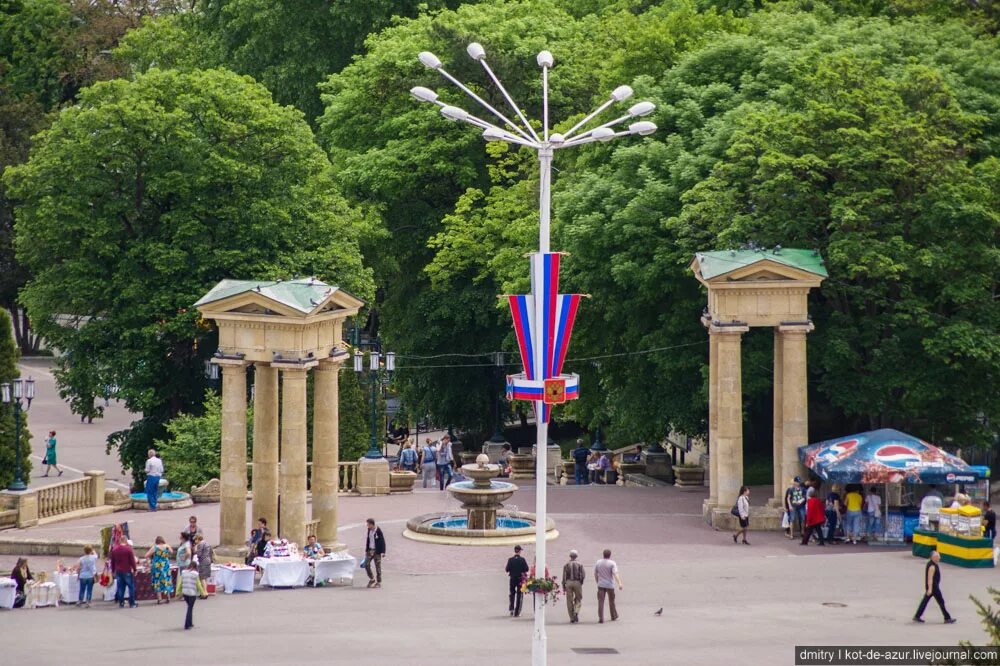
point(932, 588)
point(580, 455)
point(517, 566)
point(374, 552)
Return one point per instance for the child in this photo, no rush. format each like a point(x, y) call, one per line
point(87, 569)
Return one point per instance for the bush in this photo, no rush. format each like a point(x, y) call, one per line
point(9, 372)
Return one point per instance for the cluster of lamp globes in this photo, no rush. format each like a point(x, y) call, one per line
point(524, 134)
point(16, 390)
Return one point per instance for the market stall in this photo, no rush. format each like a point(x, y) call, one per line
point(338, 566)
point(8, 589)
point(283, 571)
point(897, 465)
point(234, 577)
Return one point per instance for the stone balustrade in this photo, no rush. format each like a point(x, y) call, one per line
point(60, 501)
point(64, 497)
point(312, 526)
point(348, 477)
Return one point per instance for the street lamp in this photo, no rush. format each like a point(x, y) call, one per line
point(523, 134)
point(377, 377)
point(498, 364)
point(18, 392)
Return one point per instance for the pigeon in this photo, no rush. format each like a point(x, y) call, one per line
point(659, 612)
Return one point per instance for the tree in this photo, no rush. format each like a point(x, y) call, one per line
point(8, 444)
point(291, 47)
point(141, 198)
point(191, 451)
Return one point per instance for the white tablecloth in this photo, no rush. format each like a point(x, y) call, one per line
point(235, 579)
point(335, 566)
point(69, 586)
point(8, 590)
point(42, 594)
point(283, 572)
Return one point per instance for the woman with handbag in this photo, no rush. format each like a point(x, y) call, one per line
point(742, 509)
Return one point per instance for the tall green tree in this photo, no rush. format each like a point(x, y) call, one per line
point(136, 201)
point(8, 444)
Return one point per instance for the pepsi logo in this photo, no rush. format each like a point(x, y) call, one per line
point(950, 478)
point(838, 450)
point(897, 456)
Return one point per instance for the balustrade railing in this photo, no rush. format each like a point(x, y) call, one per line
point(65, 497)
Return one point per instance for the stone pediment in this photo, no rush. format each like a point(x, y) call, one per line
point(296, 299)
point(782, 265)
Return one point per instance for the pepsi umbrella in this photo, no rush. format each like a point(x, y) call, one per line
point(884, 456)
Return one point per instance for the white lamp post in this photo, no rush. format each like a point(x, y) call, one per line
point(524, 135)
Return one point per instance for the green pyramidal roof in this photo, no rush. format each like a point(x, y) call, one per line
point(720, 262)
point(303, 295)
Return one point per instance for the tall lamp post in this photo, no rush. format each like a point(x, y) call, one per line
point(498, 437)
point(539, 365)
point(378, 376)
point(18, 392)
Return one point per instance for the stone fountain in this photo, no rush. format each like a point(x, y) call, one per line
point(481, 498)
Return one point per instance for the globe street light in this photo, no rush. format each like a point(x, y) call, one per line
point(523, 134)
point(378, 376)
point(18, 392)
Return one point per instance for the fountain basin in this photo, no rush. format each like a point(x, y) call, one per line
point(513, 528)
point(167, 500)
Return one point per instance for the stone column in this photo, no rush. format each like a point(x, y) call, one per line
point(265, 445)
point(713, 417)
point(326, 452)
point(233, 464)
point(292, 473)
point(780, 480)
point(795, 397)
point(728, 448)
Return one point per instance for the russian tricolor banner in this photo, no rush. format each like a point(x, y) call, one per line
point(542, 380)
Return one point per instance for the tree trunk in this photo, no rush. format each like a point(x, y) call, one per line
point(26, 341)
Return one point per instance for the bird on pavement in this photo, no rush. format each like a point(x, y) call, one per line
point(659, 612)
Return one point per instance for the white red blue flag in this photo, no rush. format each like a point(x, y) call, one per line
point(543, 381)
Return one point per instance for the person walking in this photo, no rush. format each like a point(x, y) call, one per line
point(832, 512)
point(203, 558)
point(428, 460)
point(873, 513)
point(185, 555)
point(815, 518)
point(87, 570)
point(572, 582)
point(580, 455)
point(154, 471)
point(374, 552)
point(743, 509)
point(989, 522)
point(159, 555)
point(517, 569)
point(50, 454)
point(123, 566)
point(606, 575)
point(444, 459)
point(932, 588)
point(189, 588)
point(408, 458)
point(852, 519)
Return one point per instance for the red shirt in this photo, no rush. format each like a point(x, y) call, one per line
point(815, 512)
point(122, 559)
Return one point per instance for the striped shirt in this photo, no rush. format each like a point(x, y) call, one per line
point(573, 570)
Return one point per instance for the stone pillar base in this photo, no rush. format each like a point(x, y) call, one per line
point(373, 477)
point(492, 449)
point(553, 458)
point(658, 466)
point(236, 554)
point(26, 505)
point(761, 519)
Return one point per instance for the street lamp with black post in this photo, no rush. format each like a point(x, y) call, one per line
point(377, 377)
point(13, 394)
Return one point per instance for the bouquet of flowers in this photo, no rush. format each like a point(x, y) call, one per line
point(545, 586)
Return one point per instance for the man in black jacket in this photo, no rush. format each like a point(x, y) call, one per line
point(517, 566)
point(374, 552)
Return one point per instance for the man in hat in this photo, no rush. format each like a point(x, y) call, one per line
point(516, 569)
point(572, 581)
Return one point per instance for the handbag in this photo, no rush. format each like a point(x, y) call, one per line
point(785, 520)
point(735, 510)
point(363, 563)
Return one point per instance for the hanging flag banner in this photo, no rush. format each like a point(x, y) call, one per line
point(557, 316)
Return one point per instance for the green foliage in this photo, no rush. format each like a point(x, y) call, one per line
point(191, 452)
point(990, 619)
point(354, 416)
point(141, 198)
point(9, 372)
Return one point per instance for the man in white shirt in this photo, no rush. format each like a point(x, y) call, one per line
point(154, 470)
point(873, 512)
point(606, 575)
